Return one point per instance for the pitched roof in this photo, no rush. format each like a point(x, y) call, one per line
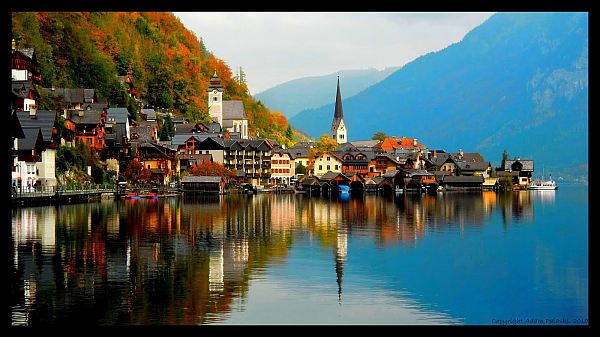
point(70, 95)
point(281, 151)
point(118, 114)
point(16, 130)
point(44, 120)
point(96, 106)
point(345, 147)
point(215, 82)
point(32, 137)
point(332, 154)
point(233, 110)
point(144, 130)
point(88, 95)
point(184, 128)
point(413, 172)
point(393, 143)
point(527, 164)
point(182, 138)
point(302, 152)
point(90, 117)
point(28, 52)
point(150, 113)
point(201, 179)
point(473, 166)
point(364, 143)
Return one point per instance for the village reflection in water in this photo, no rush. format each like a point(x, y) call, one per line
point(184, 261)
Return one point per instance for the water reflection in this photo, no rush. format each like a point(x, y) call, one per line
point(193, 260)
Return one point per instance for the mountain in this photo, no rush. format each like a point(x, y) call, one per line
point(289, 98)
point(171, 68)
point(519, 81)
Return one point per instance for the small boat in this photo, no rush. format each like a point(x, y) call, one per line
point(344, 188)
point(132, 196)
point(543, 184)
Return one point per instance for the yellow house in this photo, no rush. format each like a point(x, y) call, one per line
point(327, 161)
point(300, 154)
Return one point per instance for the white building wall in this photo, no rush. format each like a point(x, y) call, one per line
point(19, 75)
point(46, 168)
point(215, 107)
point(290, 167)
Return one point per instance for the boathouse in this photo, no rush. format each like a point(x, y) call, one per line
point(202, 184)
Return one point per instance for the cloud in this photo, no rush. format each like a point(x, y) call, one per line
point(273, 48)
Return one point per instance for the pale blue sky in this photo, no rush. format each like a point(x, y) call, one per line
point(275, 47)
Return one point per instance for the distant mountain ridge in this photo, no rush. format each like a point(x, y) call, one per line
point(290, 97)
point(519, 82)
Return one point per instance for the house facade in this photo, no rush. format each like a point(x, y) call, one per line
point(283, 167)
point(327, 161)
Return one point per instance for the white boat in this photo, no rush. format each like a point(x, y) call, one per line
point(543, 184)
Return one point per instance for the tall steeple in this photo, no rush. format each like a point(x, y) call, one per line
point(338, 127)
point(339, 111)
point(215, 99)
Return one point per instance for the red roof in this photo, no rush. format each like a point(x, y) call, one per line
point(392, 143)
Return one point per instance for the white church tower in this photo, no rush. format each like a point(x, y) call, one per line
point(215, 99)
point(338, 127)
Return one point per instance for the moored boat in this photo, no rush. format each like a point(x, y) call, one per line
point(131, 196)
point(543, 184)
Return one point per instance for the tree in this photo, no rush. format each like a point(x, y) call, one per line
point(210, 169)
point(504, 158)
point(380, 135)
point(300, 169)
point(65, 158)
point(326, 144)
point(168, 126)
point(136, 172)
point(83, 154)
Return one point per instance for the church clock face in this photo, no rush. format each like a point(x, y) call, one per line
point(214, 92)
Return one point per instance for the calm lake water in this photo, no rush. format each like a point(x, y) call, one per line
point(481, 258)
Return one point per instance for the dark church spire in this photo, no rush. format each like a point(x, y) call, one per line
point(339, 112)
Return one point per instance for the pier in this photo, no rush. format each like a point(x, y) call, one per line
point(33, 198)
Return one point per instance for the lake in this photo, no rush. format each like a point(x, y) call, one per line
point(466, 258)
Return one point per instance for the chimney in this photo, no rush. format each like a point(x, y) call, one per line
point(14, 44)
point(32, 113)
point(434, 153)
point(414, 142)
point(460, 153)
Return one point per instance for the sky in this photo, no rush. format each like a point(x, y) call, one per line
point(276, 47)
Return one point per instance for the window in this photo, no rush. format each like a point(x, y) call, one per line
point(336, 167)
point(328, 167)
point(215, 98)
point(328, 158)
point(320, 167)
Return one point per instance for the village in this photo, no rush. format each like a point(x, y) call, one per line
point(135, 159)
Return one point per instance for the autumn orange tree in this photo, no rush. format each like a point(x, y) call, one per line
point(137, 173)
point(210, 169)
